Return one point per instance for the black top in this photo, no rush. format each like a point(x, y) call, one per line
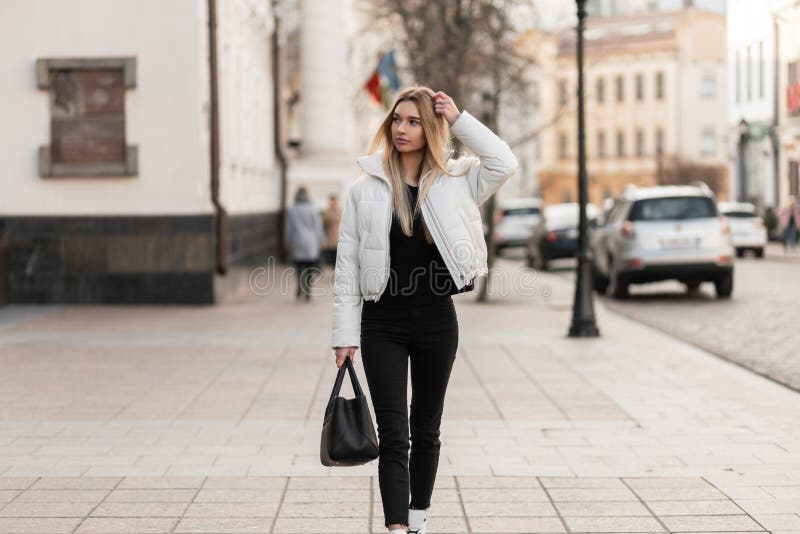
point(417, 272)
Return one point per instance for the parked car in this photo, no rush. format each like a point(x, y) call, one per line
point(747, 228)
point(664, 233)
point(555, 236)
point(514, 222)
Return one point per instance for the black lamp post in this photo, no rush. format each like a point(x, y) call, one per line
point(583, 321)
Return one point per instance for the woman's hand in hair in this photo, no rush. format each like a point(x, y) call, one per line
point(444, 105)
point(345, 352)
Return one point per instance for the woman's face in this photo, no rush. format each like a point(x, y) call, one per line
point(407, 133)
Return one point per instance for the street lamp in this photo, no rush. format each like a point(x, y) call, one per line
point(583, 321)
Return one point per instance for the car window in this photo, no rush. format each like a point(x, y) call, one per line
point(521, 211)
point(739, 214)
point(672, 208)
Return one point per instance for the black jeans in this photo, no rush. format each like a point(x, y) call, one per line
point(428, 334)
point(306, 271)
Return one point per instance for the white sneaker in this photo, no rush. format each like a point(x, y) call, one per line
point(417, 521)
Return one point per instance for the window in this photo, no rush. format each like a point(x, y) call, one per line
point(660, 85)
point(659, 141)
point(640, 143)
point(601, 90)
point(738, 76)
point(708, 141)
point(601, 144)
point(563, 146)
point(620, 88)
point(620, 144)
point(639, 87)
point(673, 209)
point(708, 86)
point(87, 116)
point(749, 74)
point(562, 91)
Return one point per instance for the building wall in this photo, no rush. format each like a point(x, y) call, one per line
point(163, 112)
point(789, 130)
point(696, 49)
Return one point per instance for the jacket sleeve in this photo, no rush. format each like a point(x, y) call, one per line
point(497, 162)
point(346, 278)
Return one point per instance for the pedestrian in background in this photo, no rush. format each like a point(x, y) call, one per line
point(304, 237)
point(423, 206)
point(790, 222)
point(330, 220)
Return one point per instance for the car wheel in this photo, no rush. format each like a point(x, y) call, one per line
point(724, 286)
point(739, 252)
point(529, 260)
point(617, 285)
point(759, 252)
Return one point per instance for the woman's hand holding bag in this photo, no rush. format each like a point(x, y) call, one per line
point(348, 435)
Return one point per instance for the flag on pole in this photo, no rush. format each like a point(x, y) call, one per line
point(384, 79)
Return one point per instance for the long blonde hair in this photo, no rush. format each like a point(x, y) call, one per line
point(437, 137)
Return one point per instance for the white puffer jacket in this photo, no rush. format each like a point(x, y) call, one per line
point(450, 211)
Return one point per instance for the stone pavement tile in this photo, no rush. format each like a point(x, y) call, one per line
point(666, 482)
point(209, 470)
point(329, 483)
point(514, 525)
point(151, 495)
point(783, 492)
point(681, 494)
point(33, 495)
point(745, 492)
point(277, 483)
point(36, 524)
point(326, 495)
point(76, 483)
point(664, 508)
point(47, 509)
point(613, 524)
point(497, 482)
point(139, 509)
point(126, 470)
point(139, 525)
point(8, 495)
point(325, 509)
point(700, 523)
point(603, 508)
point(582, 483)
point(17, 482)
point(160, 483)
point(232, 509)
point(223, 525)
point(503, 495)
point(776, 522)
point(238, 495)
point(770, 506)
point(509, 509)
point(327, 525)
point(591, 494)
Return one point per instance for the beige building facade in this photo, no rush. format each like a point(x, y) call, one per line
point(655, 100)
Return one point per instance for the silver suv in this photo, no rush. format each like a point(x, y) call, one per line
point(663, 233)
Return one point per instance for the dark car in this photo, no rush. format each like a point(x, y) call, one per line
point(556, 234)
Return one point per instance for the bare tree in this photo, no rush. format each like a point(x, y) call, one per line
point(465, 48)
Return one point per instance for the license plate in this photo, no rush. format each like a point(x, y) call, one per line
point(680, 242)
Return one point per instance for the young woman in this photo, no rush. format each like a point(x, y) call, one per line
point(411, 236)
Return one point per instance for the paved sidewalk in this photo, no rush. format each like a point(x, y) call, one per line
point(171, 419)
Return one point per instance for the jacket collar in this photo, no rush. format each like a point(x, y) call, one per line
point(372, 164)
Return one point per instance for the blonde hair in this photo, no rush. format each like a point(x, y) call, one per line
point(437, 137)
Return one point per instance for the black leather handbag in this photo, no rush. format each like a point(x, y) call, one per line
point(348, 436)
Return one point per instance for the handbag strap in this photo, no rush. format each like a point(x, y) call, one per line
point(337, 386)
